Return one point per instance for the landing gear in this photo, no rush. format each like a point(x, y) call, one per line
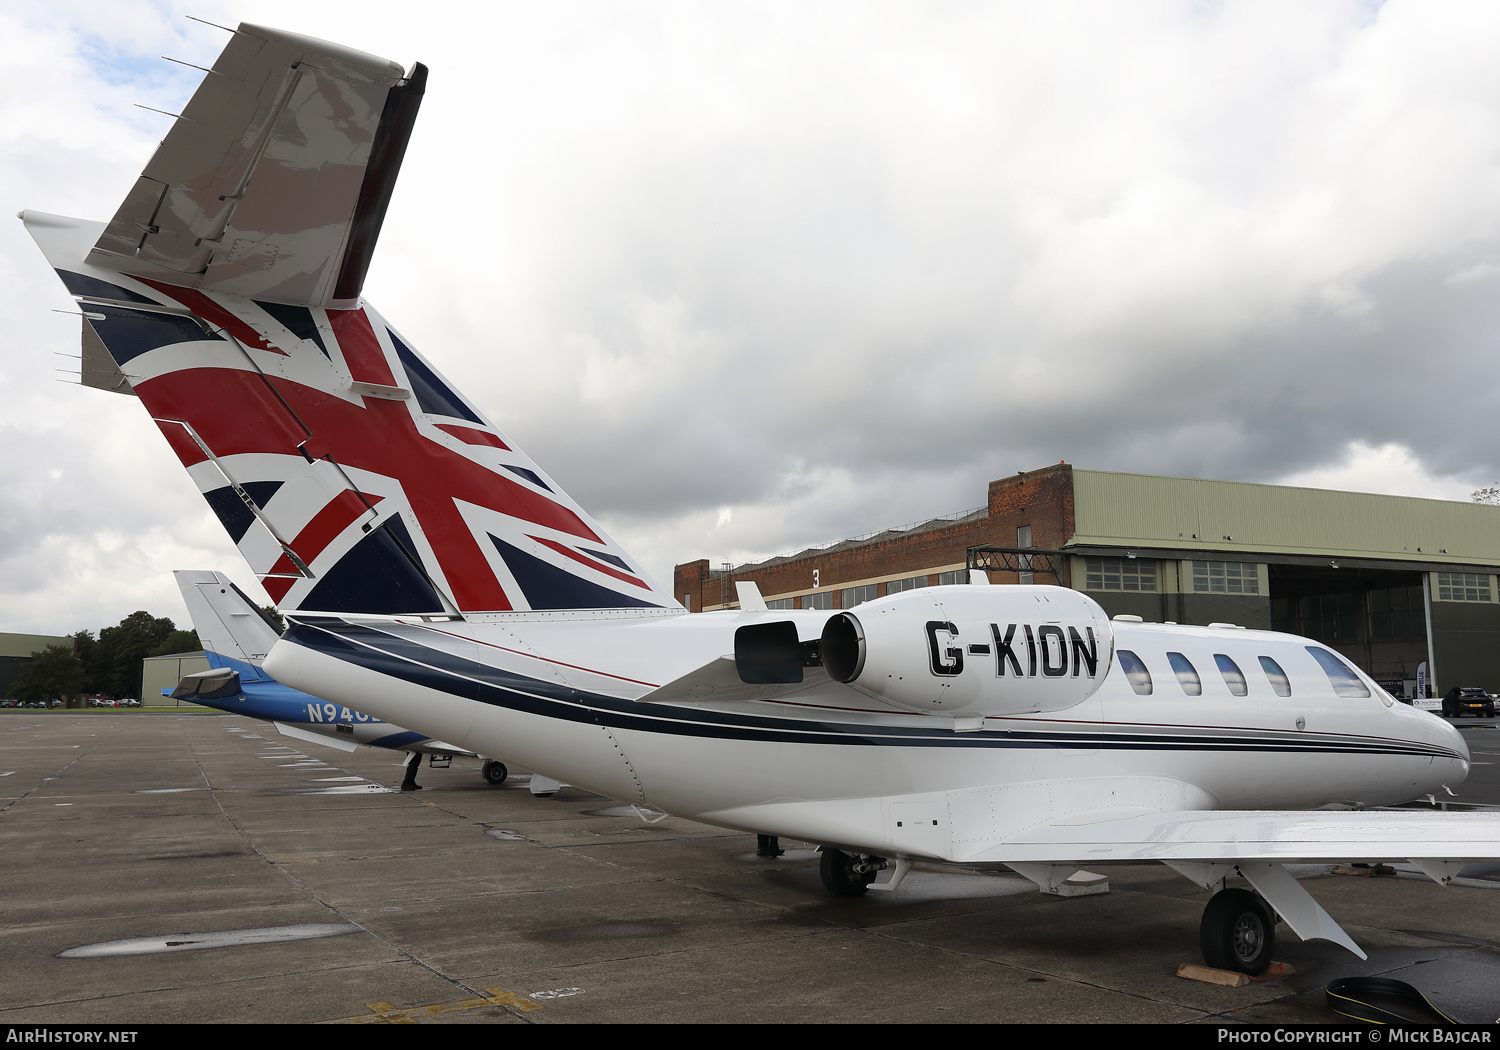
point(1238, 932)
point(847, 875)
point(494, 772)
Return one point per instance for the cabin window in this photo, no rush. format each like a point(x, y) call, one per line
point(1187, 674)
point(1276, 676)
point(1345, 682)
point(1232, 675)
point(1119, 574)
point(1135, 672)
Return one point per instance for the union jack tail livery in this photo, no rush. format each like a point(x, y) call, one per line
point(225, 295)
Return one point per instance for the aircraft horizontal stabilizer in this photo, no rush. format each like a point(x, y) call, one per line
point(274, 181)
point(342, 743)
point(216, 684)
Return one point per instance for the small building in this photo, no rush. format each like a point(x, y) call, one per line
point(1392, 582)
point(164, 672)
point(17, 650)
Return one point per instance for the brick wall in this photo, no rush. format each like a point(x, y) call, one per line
point(1042, 499)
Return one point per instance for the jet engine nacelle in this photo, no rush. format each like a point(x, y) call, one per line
point(998, 650)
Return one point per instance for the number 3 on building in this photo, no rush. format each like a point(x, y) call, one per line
point(815, 578)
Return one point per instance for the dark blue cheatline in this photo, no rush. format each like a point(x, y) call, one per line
point(398, 655)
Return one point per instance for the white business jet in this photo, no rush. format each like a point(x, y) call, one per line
point(437, 578)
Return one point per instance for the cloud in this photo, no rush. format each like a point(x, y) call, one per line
point(746, 277)
point(1390, 468)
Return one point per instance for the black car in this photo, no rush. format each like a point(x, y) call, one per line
point(1468, 700)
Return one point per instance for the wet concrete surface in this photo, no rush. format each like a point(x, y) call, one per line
point(474, 903)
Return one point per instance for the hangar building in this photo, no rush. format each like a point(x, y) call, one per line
point(18, 650)
point(1390, 581)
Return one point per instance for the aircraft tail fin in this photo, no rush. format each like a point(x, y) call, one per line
point(229, 624)
point(224, 294)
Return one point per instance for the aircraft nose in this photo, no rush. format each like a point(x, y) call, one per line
point(1454, 739)
point(1444, 734)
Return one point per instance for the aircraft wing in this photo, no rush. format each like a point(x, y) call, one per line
point(274, 181)
point(1206, 847)
point(1316, 836)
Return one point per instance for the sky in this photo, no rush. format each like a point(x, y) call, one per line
point(749, 277)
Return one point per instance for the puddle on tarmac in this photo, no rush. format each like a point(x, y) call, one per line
point(347, 789)
point(167, 791)
point(183, 942)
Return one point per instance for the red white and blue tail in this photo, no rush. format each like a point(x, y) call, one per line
point(224, 294)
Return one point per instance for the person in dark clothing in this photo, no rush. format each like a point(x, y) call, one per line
point(410, 783)
point(768, 846)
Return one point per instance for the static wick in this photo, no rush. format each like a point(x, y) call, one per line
point(191, 65)
point(177, 116)
point(206, 22)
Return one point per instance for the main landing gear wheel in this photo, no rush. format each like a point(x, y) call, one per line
point(494, 773)
point(1238, 932)
point(845, 875)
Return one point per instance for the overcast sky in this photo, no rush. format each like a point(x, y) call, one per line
point(749, 277)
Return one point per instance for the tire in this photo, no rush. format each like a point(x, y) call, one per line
point(839, 877)
point(1238, 932)
point(494, 773)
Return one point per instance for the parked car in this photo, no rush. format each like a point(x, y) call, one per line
point(1468, 700)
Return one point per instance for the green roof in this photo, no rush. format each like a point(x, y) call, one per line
point(1226, 516)
point(14, 645)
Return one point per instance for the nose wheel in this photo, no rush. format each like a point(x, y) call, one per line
point(847, 874)
point(1238, 932)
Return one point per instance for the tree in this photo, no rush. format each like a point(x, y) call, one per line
point(1488, 494)
point(177, 642)
point(121, 649)
point(53, 674)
